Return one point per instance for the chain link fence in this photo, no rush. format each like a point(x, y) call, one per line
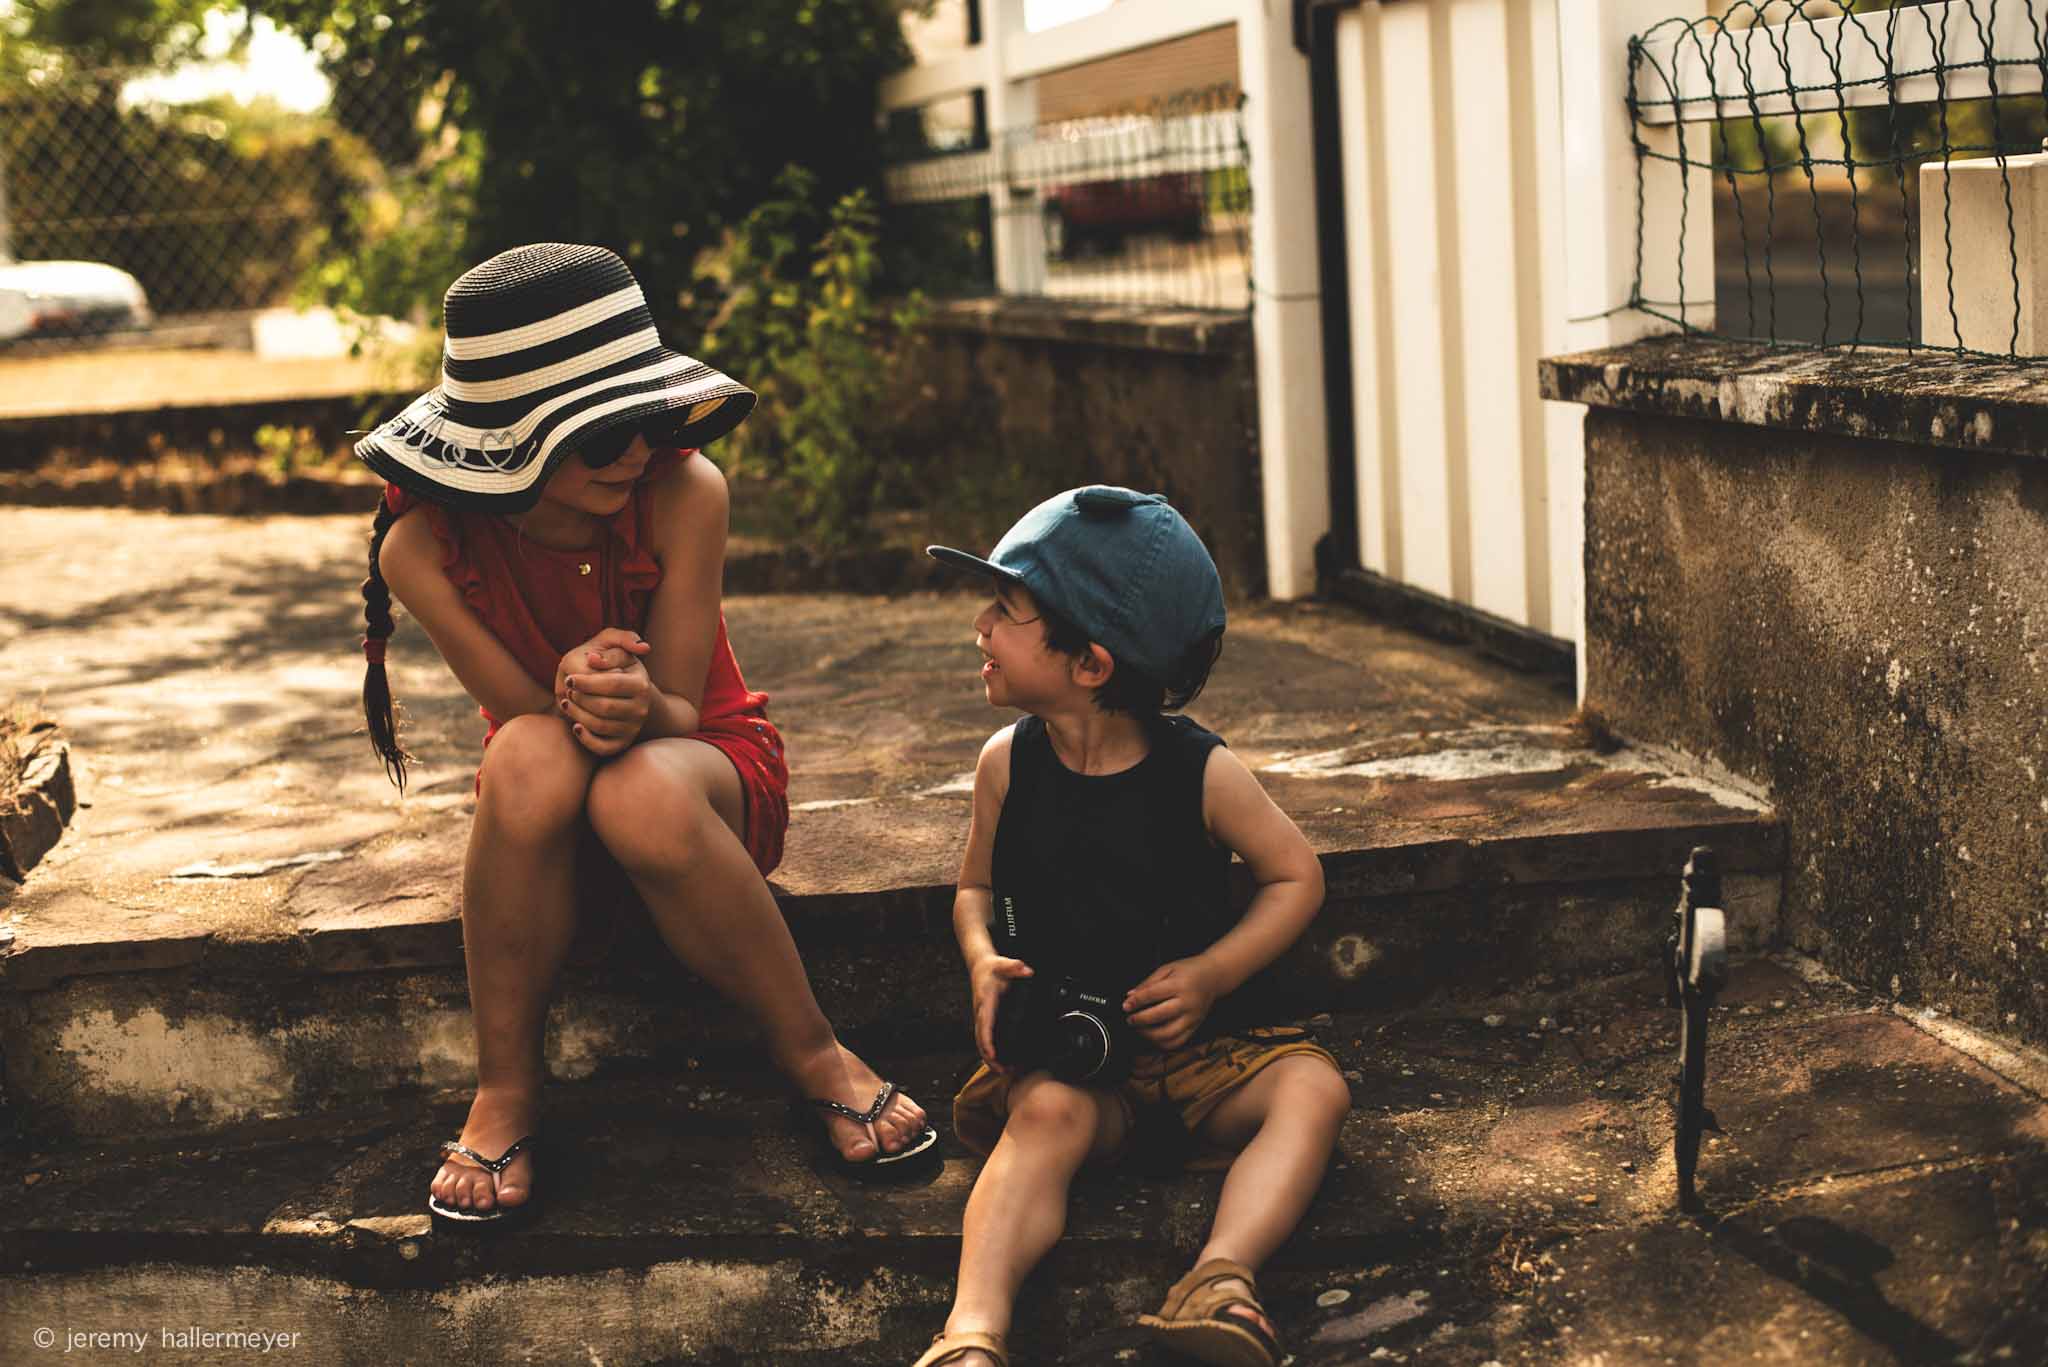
point(1147, 207)
point(216, 207)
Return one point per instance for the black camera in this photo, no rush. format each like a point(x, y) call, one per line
point(1074, 1032)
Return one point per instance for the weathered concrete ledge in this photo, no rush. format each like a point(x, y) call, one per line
point(1965, 403)
point(1525, 853)
point(865, 870)
point(1193, 332)
point(200, 425)
point(1826, 572)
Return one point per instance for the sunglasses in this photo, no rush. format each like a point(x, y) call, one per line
point(607, 446)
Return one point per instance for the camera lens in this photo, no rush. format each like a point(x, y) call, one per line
point(1080, 1048)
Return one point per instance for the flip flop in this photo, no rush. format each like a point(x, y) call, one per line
point(878, 1164)
point(1195, 1321)
point(952, 1347)
point(502, 1217)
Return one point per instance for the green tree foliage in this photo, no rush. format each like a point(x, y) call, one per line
point(804, 316)
point(100, 34)
point(649, 126)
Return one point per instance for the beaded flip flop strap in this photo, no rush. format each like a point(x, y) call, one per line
point(867, 1117)
point(493, 1166)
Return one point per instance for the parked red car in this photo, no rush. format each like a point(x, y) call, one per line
point(1104, 212)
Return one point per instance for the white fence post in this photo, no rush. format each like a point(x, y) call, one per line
point(1997, 290)
point(1600, 173)
point(1287, 315)
point(1011, 106)
point(1593, 208)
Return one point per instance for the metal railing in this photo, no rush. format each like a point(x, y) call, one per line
point(1151, 206)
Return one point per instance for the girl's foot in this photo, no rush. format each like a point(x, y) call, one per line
point(498, 1118)
point(837, 1074)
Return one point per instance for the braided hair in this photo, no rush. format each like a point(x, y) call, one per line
point(377, 706)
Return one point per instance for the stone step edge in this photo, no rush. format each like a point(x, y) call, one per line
point(411, 936)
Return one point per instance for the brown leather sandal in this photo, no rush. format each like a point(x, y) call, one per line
point(952, 1347)
point(1195, 1319)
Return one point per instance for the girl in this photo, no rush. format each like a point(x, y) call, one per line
point(549, 522)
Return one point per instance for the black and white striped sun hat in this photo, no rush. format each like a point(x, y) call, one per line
point(547, 345)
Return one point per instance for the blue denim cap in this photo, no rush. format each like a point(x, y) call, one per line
point(1121, 565)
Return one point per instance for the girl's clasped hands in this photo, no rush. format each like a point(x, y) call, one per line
point(602, 688)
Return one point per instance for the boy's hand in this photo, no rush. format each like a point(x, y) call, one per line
point(1169, 1006)
point(987, 979)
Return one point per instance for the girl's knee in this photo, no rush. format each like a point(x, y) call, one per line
point(535, 775)
point(648, 817)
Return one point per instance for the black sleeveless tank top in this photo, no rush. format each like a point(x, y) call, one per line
point(1108, 876)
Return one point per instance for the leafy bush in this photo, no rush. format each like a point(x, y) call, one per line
point(807, 327)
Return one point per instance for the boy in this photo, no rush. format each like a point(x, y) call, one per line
point(1105, 830)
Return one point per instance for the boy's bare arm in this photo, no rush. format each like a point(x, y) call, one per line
point(974, 900)
point(1243, 818)
point(1171, 1004)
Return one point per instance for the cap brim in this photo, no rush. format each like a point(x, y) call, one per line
point(973, 564)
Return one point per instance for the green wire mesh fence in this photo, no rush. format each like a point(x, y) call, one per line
point(1813, 121)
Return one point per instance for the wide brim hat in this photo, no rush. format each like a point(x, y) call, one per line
point(547, 346)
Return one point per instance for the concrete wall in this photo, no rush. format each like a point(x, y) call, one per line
point(1859, 623)
point(1015, 400)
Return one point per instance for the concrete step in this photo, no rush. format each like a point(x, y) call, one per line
point(1468, 857)
point(1502, 1194)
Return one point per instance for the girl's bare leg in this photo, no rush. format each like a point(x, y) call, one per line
point(1019, 1205)
point(1285, 1120)
point(518, 913)
point(714, 910)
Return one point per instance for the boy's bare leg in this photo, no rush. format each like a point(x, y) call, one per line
point(1286, 1120)
point(1019, 1205)
point(518, 915)
point(714, 910)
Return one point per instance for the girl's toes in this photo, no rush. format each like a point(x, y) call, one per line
point(861, 1147)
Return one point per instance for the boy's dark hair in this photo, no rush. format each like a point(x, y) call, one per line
point(378, 711)
point(1132, 691)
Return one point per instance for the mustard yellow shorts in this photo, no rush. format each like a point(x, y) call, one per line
point(1189, 1082)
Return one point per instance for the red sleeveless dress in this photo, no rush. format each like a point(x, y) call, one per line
point(542, 603)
